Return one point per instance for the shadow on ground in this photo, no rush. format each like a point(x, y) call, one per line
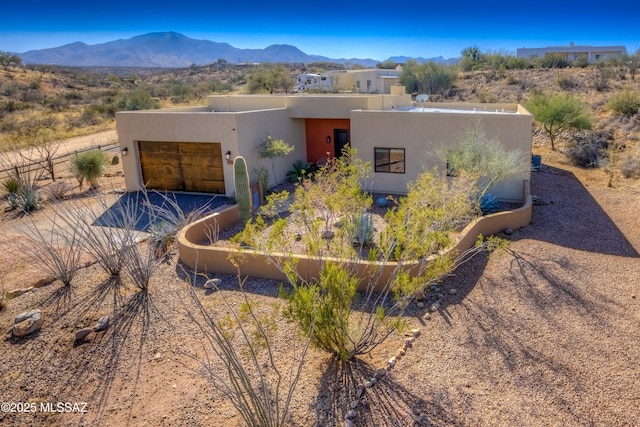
point(586, 226)
point(137, 203)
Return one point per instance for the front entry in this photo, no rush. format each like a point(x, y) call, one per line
point(340, 140)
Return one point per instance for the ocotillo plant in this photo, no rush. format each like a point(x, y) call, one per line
point(241, 183)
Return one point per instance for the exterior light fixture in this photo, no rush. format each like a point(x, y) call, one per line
point(227, 156)
point(124, 151)
point(328, 139)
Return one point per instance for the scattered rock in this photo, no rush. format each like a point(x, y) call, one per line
point(47, 280)
point(408, 343)
point(354, 404)
point(327, 234)
point(212, 283)
point(415, 333)
point(368, 384)
point(26, 314)
point(420, 304)
point(508, 231)
point(435, 306)
point(82, 334)
point(401, 352)
point(348, 423)
point(102, 324)
point(427, 316)
point(27, 323)
point(351, 414)
point(157, 357)
point(420, 296)
point(359, 391)
point(17, 292)
point(453, 291)
point(379, 374)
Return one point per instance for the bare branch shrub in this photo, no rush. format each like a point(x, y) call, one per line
point(55, 246)
point(242, 343)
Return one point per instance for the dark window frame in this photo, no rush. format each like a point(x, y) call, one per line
point(386, 168)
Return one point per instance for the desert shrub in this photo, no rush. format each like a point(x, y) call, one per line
point(554, 60)
point(258, 384)
point(567, 82)
point(11, 184)
point(630, 166)
point(361, 227)
point(58, 190)
point(89, 166)
point(588, 150)
point(300, 171)
point(28, 198)
point(56, 246)
point(482, 159)
point(600, 76)
point(327, 303)
point(626, 103)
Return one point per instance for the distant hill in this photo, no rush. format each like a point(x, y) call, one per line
point(174, 50)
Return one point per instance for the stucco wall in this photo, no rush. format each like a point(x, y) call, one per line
point(424, 135)
point(252, 129)
point(227, 103)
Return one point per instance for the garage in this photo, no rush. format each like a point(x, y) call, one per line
point(182, 166)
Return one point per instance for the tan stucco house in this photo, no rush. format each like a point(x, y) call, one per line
point(186, 149)
point(572, 53)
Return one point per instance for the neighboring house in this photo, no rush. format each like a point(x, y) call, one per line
point(186, 149)
point(356, 81)
point(573, 53)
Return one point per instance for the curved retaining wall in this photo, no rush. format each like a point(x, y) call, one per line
point(211, 259)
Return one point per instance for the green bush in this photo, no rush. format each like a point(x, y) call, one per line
point(626, 103)
point(12, 185)
point(300, 171)
point(89, 166)
point(324, 308)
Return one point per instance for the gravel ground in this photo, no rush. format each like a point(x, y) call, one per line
point(545, 334)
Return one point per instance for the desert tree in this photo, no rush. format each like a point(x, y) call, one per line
point(272, 149)
point(430, 78)
point(557, 113)
point(483, 159)
point(325, 217)
point(269, 78)
point(8, 59)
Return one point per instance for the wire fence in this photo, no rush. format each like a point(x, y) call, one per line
point(58, 164)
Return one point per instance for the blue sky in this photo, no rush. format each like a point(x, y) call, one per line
point(332, 28)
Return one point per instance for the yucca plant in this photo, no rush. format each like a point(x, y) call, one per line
point(89, 166)
point(11, 184)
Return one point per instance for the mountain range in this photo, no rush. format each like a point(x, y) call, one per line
point(174, 50)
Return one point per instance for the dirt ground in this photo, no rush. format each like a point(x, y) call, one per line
point(545, 333)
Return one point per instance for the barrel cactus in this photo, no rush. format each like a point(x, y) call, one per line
point(241, 183)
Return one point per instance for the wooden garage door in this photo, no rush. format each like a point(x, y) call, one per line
point(182, 166)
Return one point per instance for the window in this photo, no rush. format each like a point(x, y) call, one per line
point(358, 84)
point(390, 160)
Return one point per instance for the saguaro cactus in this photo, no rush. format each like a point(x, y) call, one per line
point(241, 183)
